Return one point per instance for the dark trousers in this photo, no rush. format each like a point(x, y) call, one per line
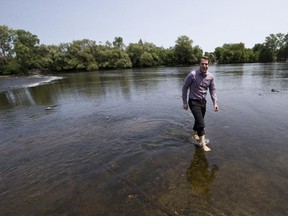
point(198, 109)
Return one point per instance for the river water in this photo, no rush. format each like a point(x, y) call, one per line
point(119, 143)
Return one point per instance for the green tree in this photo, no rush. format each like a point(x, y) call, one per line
point(266, 55)
point(256, 50)
point(183, 50)
point(26, 51)
point(118, 43)
point(141, 52)
point(44, 53)
point(219, 54)
point(262, 53)
point(6, 47)
point(166, 56)
point(233, 53)
point(154, 51)
point(249, 56)
point(79, 55)
point(170, 58)
point(134, 51)
point(111, 58)
point(273, 42)
point(197, 53)
point(282, 54)
point(211, 56)
point(57, 59)
point(147, 60)
point(119, 59)
point(6, 41)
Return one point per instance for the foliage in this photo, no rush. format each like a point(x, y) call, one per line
point(21, 52)
point(111, 58)
point(211, 56)
point(275, 48)
point(233, 53)
point(6, 35)
point(145, 54)
point(185, 53)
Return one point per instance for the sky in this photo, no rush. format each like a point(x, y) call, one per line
point(209, 24)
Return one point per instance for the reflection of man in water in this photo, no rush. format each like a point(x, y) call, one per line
point(199, 174)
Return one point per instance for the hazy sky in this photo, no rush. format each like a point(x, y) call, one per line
point(208, 23)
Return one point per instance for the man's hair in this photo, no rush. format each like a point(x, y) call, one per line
point(204, 57)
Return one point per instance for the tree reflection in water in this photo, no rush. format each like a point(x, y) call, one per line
point(200, 175)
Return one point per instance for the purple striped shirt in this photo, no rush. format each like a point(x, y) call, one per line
point(198, 85)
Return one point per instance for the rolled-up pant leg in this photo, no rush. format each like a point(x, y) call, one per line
point(198, 110)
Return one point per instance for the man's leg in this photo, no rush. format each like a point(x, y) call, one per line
point(198, 110)
point(203, 143)
point(195, 135)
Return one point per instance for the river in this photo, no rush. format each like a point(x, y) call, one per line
point(119, 143)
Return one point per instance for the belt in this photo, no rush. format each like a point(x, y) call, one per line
point(199, 100)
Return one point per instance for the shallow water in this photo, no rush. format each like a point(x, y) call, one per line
point(118, 143)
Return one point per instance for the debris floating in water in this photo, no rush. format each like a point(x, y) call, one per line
point(274, 90)
point(50, 107)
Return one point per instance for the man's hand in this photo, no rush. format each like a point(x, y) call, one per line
point(185, 106)
point(216, 108)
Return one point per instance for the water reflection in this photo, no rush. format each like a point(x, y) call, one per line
point(200, 175)
point(100, 84)
point(130, 83)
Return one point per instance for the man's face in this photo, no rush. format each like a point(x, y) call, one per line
point(204, 66)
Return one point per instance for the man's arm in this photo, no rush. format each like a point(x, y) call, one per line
point(186, 86)
point(212, 90)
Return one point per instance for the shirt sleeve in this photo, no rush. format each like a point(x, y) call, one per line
point(187, 83)
point(212, 90)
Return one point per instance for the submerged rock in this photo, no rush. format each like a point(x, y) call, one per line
point(50, 107)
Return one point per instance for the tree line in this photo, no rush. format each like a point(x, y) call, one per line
point(21, 52)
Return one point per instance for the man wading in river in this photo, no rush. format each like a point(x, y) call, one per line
point(198, 82)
